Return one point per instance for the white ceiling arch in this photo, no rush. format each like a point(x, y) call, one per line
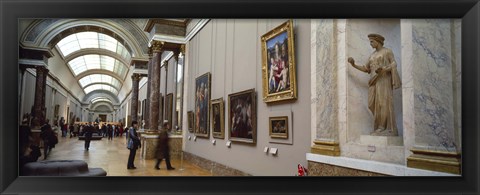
point(101, 93)
point(127, 32)
point(96, 51)
point(95, 105)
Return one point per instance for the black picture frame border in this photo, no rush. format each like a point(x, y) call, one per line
point(11, 11)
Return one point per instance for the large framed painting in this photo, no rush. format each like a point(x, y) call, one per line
point(218, 118)
point(278, 64)
point(169, 109)
point(242, 116)
point(202, 105)
point(278, 127)
point(190, 121)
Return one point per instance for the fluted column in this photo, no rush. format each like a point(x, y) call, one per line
point(39, 101)
point(155, 85)
point(134, 110)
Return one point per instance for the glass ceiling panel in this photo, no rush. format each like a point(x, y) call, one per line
point(94, 61)
point(99, 78)
point(83, 40)
point(100, 87)
point(99, 99)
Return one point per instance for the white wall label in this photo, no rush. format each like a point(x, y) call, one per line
point(273, 151)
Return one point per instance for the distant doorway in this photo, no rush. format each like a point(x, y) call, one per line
point(103, 117)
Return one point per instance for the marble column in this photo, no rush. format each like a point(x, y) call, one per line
point(433, 93)
point(134, 110)
point(21, 93)
point(165, 107)
point(147, 106)
point(324, 98)
point(155, 85)
point(174, 104)
point(39, 101)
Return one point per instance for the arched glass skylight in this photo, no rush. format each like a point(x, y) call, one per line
point(99, 78)
point(100, 99)
point(100, 87)
point(94, 61)
point(82, 40)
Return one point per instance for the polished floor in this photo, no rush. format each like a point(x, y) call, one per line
point(112, 156)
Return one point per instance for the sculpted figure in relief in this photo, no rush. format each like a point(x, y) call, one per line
point(384, 79)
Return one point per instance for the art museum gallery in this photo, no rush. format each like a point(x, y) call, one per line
point(240, 97)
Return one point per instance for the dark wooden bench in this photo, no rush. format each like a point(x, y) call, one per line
point(61, 168)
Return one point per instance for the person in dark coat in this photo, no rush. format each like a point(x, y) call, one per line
point(48, 137)
point(133, 144)
point(88, 131)
point(109, 132)
point(25, 135)
point(162, 148)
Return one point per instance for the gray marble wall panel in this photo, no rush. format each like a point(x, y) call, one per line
point(434, 72)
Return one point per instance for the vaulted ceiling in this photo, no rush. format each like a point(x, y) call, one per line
point(98, 52)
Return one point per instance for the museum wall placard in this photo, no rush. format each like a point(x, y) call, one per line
point(230, 50)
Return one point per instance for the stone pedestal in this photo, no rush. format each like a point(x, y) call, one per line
point(36, 137)
point(381, 140)
point(149, 146)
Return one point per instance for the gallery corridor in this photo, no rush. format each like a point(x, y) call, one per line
point(112, 155)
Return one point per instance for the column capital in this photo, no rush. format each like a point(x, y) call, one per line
point(182, 49)
point(136, 77)
point(43, 69)
point(150, 53)
point(157, 46)
point(176, 54)
point(165, 64)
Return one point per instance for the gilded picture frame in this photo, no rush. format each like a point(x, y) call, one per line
point(202, 105)
point(242, 104)
point(190, 121)
point(218, 118)
point(278, 127)
point(278, 64)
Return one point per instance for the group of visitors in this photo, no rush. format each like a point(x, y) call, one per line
point(29, 152)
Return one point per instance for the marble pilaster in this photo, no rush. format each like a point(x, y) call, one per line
point(436, 80)
point(155, 86)
point(134, 110)
point(324, 88)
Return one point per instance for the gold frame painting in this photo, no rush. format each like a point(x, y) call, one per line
point(218, 118)
point(190, 121)
point(278, 64)
point(202, 105)
point(278, 127)
point(242, 104)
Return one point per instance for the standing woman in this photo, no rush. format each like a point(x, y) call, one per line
point(133, 144)
point(384, 79)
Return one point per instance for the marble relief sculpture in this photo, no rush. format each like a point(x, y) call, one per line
point(384, 79)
